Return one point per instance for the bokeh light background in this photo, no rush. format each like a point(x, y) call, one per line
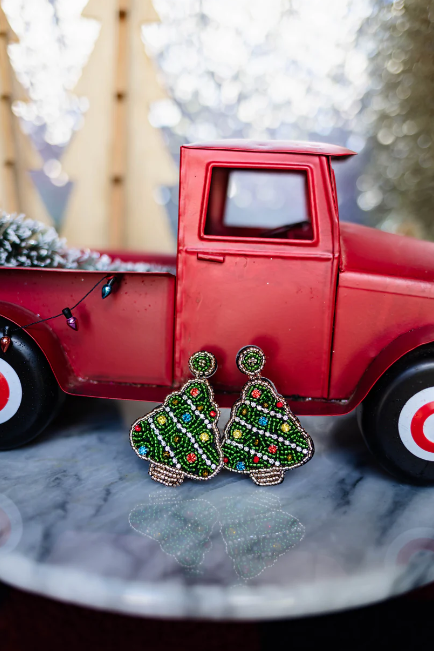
point(354, 72)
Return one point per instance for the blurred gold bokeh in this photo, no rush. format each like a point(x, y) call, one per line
point(96, 98)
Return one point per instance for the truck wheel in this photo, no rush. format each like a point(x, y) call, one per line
point(29, 394)
point(397, 418)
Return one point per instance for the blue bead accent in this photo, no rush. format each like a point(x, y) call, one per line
point(186, 418)
point(241, 465)
point(263, 420)
point(143, 449)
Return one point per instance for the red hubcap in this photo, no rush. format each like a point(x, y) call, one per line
point(4, 392)
point(417, 423)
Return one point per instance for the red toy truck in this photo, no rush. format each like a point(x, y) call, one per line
point(344, 313)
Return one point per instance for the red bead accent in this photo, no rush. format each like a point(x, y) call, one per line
point(191, 458)
point(137, 428)
point(194, 392)
point(213, 413)
point(272, 449)
point(256, 393)
point(225, 460)
point(255, 459)
point(279, 404)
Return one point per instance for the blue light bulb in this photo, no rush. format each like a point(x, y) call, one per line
point(107, 288)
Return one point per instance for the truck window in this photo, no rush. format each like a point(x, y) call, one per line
point(259, 203)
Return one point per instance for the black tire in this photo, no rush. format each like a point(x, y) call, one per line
point(393, 415)
point(29, 394)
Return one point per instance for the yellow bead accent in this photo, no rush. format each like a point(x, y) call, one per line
point(244, 412)
point(289, 457)
point(237, 433)
point(161, 420)
point(204, 437)
point(285, 427)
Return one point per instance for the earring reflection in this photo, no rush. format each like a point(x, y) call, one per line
point(257, 532)
point(181, 527)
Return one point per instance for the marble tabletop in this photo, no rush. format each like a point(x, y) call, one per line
point(81, 521)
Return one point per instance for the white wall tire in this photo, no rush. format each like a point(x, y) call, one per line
point(29, 393)
point(416, 424)
point(397, 418)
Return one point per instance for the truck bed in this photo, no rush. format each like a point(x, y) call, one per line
point(122, 341)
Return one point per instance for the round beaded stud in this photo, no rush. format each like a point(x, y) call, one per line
point(202, 364)
point(250, 360)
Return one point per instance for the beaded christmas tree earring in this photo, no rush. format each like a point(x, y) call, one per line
point(180, 437)
point(263, 438)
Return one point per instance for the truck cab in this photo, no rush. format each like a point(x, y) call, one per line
point(264, 277)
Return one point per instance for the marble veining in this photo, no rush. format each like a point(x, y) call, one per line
point(81, 521)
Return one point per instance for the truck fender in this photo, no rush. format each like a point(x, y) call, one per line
point(43, 337)
point(394, 351)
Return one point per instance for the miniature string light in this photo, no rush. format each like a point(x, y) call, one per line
point(71, 320)
point(107, 288)
point(5, 341)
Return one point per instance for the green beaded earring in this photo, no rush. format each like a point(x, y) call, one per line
point(180, 437)
point(263, 438)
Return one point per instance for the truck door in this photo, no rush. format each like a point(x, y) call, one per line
point(257, 266)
